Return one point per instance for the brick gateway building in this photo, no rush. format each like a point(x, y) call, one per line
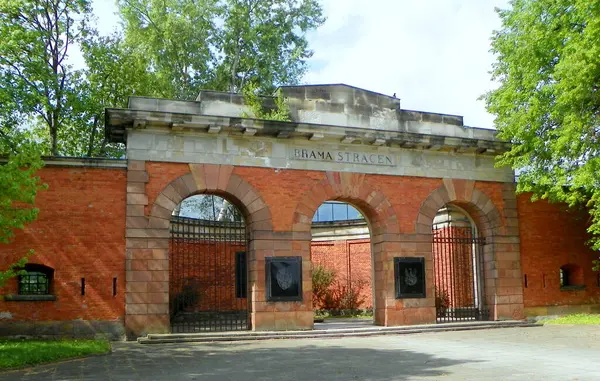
point(448, 237)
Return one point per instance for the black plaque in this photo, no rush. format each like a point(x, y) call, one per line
point(284, 279)
point(409, 275)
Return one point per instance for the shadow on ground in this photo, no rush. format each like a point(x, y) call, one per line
point(271, 360)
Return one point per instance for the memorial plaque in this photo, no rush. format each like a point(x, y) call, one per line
point(409, 275)
point(284, 279)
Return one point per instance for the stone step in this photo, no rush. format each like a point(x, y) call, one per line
point(326, 333)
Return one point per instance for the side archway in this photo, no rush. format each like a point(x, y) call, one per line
point(503, 293)
point(147, 259)
point(383, 225)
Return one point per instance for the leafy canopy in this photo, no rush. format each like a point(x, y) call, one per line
point(548, 103)
point(221, 44)
point(36, 80)
point(166, 48)
point(18, 188)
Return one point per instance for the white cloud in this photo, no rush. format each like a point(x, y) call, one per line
point(434, 54)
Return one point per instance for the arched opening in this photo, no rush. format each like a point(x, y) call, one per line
point(36, 279)
point(208, 266)
point(458, 266)
point(342, 275)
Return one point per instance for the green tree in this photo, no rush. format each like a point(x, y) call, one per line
point(176, 36)
point(18, 188)
point(548, 101)
point(264, 42)
point(169, 48)
point(112, 74)
point(35, 78)
point(221, 44)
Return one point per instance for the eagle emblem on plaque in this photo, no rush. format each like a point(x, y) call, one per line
point(284, 278)
point(410, 276)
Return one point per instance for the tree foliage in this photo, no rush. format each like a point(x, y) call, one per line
point(548, 103)
point(263, 41)
point(167, 48)
point(221, 44)
point(112, 74)
point(18, 188)
point(176, 36)
point(36, 37)
point(258, 109)
point(208, 207)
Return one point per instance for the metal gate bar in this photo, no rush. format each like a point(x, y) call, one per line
point(458, 272)
point(206, 291)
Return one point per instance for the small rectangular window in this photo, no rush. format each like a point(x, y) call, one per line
point(33, 283)
point(82, 286)
point(525, 280)
point(114, 284)
point(241, 275)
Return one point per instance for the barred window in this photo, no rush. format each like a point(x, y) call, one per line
point(36, 281)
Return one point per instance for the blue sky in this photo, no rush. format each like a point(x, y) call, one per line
point(434, 54)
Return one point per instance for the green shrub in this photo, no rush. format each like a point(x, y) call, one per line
point(333, 294)
point(442, 302)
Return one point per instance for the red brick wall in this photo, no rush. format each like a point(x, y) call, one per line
point(81, 228)
point(351, 260)
point(550, 238)
point(283, 189)
point(80, 232)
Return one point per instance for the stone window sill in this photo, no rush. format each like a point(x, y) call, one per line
point(572, 288)
point(29, 298)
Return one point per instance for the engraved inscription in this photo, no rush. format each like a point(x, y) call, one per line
point(342, 156)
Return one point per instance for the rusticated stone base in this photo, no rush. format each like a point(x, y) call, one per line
point(111, 330)
point(141, 325)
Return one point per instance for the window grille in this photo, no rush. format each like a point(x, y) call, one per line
point(34, 283)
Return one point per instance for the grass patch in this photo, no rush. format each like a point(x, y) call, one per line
point(20, 353)
point(576, 319)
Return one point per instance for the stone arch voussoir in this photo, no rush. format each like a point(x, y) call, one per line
point(462, 193)
point(352, 188)
point(212, 179)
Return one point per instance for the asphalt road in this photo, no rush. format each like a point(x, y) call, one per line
point(547, 353)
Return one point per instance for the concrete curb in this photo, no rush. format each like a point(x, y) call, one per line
point(324, 334)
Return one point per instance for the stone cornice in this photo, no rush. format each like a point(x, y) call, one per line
point(118, 121)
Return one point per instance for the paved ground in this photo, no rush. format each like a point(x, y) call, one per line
point(548, 353)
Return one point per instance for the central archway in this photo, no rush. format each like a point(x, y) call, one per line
point(383, 227)
point(342, 265)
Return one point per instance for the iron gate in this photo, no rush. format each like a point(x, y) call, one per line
point(458, 270)
point(208, 266)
